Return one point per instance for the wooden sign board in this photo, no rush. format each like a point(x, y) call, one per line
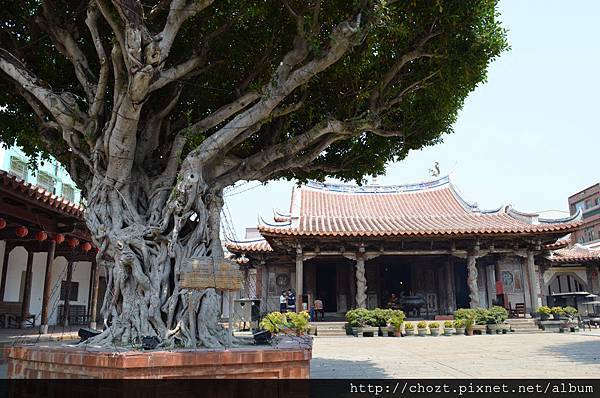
point(208, 272)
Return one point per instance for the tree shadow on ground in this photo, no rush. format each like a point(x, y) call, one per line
point(328, 368)
point(586, 352)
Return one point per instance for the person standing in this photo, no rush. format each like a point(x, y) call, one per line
point(291, 301)
point(283, 301)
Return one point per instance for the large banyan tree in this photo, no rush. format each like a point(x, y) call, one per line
point(156, 106)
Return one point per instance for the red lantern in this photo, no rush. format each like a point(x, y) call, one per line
point(73, 243)
point(59, 238)
point(87, 246)
point(41, 236)
point(2, 223)
point(21, 231)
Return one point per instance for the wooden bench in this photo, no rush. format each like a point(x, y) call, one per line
point(78, 314)
point(10, 315)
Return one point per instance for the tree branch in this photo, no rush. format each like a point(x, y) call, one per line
point(62, 106)
point(342, 39)
point(66, 44)
point(416, 53)
point(91, 22)
point(248, 167)
point(179, 12)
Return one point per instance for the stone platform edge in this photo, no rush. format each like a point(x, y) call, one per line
point(58, 362)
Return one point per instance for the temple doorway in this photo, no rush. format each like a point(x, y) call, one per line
point(326, 288)
point(395, 279)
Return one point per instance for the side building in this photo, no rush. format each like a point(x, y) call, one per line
point(358, 246)
point(48, 272)
point(587, 202)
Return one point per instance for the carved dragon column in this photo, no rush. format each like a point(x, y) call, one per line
point(534, 286)
point(361, 279)
point(472, 278)
point(361, 283)
point(299, 278)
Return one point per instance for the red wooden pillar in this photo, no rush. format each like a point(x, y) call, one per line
point(27, 292)
point(7, 249)
point(47, 286)
point(94, 291)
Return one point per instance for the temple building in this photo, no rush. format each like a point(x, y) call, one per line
point(358, 246)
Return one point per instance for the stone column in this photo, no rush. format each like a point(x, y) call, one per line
point(27, 291)
point(94, 298)
point(299, 278)
point(472, 279)
point(66, 303)
point(47, 287)
point(361, 283)
point(490, 280)
point(451, 295)
point(534, 286)
point(7, 250)
point(264, 287)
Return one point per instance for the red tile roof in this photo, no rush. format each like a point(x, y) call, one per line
point(252, 246)
point(40, 194)
point(431, 208)
point(575, 254)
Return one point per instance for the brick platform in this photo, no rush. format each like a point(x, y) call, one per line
point(59, 361)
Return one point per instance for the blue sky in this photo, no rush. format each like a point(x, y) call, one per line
point(528, 137)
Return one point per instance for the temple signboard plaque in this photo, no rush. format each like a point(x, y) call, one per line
point(207, 272)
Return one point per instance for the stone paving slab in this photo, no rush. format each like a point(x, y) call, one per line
point(547, 355)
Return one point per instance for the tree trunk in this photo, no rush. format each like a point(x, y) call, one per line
point(143, 241)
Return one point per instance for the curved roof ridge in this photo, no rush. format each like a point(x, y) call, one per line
point(261, 239)
point(261, 222)
point(575, 217)
point(471, 207)
point(374, 189)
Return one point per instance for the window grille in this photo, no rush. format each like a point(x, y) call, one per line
point(68, 192)
point(45, 181)
point(18, 168)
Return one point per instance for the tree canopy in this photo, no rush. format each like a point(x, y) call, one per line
point(156, 106)
point(397, 74)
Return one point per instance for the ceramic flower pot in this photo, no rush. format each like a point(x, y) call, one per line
point(409, 332)
point(434, 331)
point(449, 331)
point(460, 331)
point(422, 332)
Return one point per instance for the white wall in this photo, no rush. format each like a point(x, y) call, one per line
point(17, 263)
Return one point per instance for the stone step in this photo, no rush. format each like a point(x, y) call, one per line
point(323, 332)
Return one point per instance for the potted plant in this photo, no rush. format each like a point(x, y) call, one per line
point(409, 328)
point(558, 313)
point(544, 312)
point(381, 318)
point(459, 326)
point(287, 323)
point(449, 328)
point(471, 316)
point(362, 321)
point(422, 328)
point(570, 312)
point(494, 319)
point(434, 328)
point(396, 321)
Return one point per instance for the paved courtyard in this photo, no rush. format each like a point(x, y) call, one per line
point(488, 356)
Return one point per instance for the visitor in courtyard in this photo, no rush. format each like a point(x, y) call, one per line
point(319, 309)
point(283, 302)
point(291, 301)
